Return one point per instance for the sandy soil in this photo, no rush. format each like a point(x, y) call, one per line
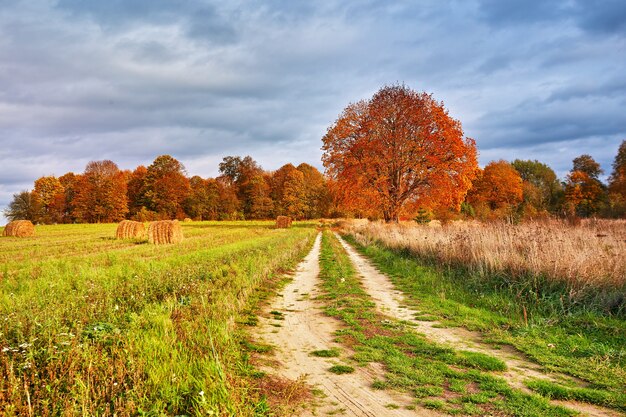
point(390, 301)
point(305, 328)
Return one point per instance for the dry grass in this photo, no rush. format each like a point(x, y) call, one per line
point(165, 231)
point(588, 257)
point(283, 222)
point(19, 228)
point(128, 229)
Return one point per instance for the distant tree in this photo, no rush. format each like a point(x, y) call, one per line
point(585, 195)
point(235, 169)
point(288, 191)
point(542, 188)
point(136, 189)
point(247, 176)
point(400, 146)
point(203, 201)
point(228, 208)
point(316, 194)
point(49, 193)
point(293, 199)
point(23, 207)
point(69, 182)
point(585, 163)
point(499, 188)
point(617, 183)
point(166, 187)
point(100, 195)
point(258, 203)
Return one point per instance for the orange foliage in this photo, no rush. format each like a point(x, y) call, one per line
point(399, 147)
point(100, 195)
point(498, 187)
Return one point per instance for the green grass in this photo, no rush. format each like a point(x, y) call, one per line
point(326, 353)
point(582, 343)
point(341, 369)
point(560, 392)
point(90, 325)
point(436, 375)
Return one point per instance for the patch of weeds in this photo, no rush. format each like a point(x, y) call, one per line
point(434, 404)
point(325, 353)
point(250, 320)
point(256, 347)
point(478, 398)
point(424, 317)
point(341, 369)
point(457, 385)
point(428, 391)
point(379, 385)
point(277, 315)
point(392, 406)
point(481, 361)
point(560, 392)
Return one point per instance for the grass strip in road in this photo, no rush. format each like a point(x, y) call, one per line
point(439, 377)
point(584, 344)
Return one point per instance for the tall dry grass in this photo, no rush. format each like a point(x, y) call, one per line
point(583, 260)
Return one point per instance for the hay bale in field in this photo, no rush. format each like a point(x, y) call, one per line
point(187, 220)
point(129, 229)
point(165, 231)
point(283, 222)
point(19, 228)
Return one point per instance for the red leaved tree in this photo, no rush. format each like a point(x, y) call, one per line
point(399, 147)
point(100, 194)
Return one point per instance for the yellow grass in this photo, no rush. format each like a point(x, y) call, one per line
point(590, 255)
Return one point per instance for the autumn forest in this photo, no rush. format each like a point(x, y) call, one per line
point(396, 156)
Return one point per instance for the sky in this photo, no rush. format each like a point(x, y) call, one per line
point(128, 80)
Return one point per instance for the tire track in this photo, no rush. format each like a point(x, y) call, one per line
point(306, 328)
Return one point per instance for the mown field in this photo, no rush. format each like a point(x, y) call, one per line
point(90, 325)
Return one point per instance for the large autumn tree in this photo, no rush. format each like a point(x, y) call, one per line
point(398, 147)
point(100, 195)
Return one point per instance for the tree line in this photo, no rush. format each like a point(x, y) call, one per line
point(103, 193)
point(396, 156)
point(244, 190)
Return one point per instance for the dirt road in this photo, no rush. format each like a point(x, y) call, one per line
point(304, 328)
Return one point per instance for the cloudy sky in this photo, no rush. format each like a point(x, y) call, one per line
point(128, 80)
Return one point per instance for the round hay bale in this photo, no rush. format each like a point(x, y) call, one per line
point(186, 220)
point(129, 229)
point(165, 231)
point(283, 222)
point(19, 228)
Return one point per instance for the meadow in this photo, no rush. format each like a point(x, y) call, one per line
point(583, 265)
point(90, 325)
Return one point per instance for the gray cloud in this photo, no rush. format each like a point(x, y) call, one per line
point(87, 80)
